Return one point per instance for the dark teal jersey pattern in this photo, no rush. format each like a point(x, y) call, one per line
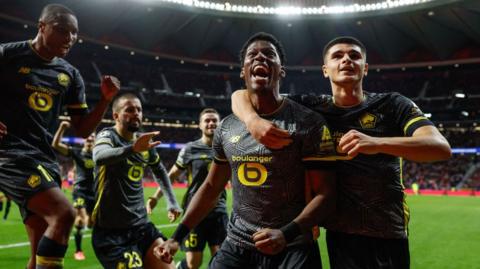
point(33, 93)
point(83, 171)
point(269, 185)
point(371, 200)
point(119, 198)
point(196, 157)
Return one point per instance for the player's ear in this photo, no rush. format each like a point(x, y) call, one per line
point(283, 73)
point(365, 69)
point(242, 74)
point(324, 69)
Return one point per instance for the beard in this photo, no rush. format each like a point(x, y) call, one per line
point(133, 128)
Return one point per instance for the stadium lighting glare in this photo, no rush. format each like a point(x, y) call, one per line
point(428, 115)
point(460, 95)
point(296, 10)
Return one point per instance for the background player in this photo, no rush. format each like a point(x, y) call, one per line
point(123, 237)
point(270, 213)
point(36, 84)
point(371, 132)
point(83, 192)
point(196, 158)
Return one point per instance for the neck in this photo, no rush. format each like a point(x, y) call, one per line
point(123, 132)
point(347, 96)
point(207, 140)
point(265, 103)
point(41, 50)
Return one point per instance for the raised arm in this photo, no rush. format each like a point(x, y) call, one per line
point(202, 203)
point(322, 204)
point(262, 130)
point(57, 139)
point(426, 144)
point(84, 125)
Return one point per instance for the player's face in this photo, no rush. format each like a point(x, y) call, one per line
point(345, 64)
point(59, 35)
point(88, 144)
point(129, 115)
point(262, 68)
point(208, 123)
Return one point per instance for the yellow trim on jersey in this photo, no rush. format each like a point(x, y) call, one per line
point(189, 175)
point(101, 186)
point(100, 142)
point(406, 213)
point(75, 106)
point(329, 158)
point(156, 160)
point(220, 160)
point(400, 159)
point(412, 121)
point(179, 165)
point(45, 173)
point(49, 262)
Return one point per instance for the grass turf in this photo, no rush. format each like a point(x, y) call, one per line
point(444, 234)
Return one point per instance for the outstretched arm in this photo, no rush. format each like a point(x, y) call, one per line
point(265, 132)
point(426, 144)
point(104, 154)
point(202, 203)
point(57, 139)
point(84, 125)
point(161, 176)
point(173, 174)
point(322, 183)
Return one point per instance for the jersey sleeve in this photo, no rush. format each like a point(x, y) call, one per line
point(75, 97)
point(318, 148)
point(218, 152)
point(182, 158)
point(153, 157)
point(408, 115)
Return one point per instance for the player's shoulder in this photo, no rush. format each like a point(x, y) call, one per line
point(385, 97)
point(107, 132)
point(229, 121)
point(303, 113)
point(12, 49)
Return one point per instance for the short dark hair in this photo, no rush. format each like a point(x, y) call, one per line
point(344, 40)
point(53, 11)
point(117, 100)
point(264, 37)
point(208, 110)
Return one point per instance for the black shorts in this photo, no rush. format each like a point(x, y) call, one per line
point(350, 251)
point(211, 230)
point(82, 200)
point(124, 248)
point(231, 256)
point(22, 181)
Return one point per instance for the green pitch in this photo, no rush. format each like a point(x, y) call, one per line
point(444, 233)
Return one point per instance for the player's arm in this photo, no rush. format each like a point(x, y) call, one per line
point(57, 139)
point(320, 207)
point(105, 153)
point(160, 175)
point(264, 131)
point(426, 144)
point(84, 125)
point(202, 203)
point(152, 201)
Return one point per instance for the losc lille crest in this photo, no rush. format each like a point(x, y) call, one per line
point(63, 79)
point(368, 121)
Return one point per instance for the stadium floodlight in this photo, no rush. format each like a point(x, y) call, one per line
point(295, 10)
point(460, 95)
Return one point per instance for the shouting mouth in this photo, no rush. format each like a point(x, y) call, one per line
point(260, 73)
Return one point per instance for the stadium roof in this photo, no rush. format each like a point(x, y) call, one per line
point(439, 30)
